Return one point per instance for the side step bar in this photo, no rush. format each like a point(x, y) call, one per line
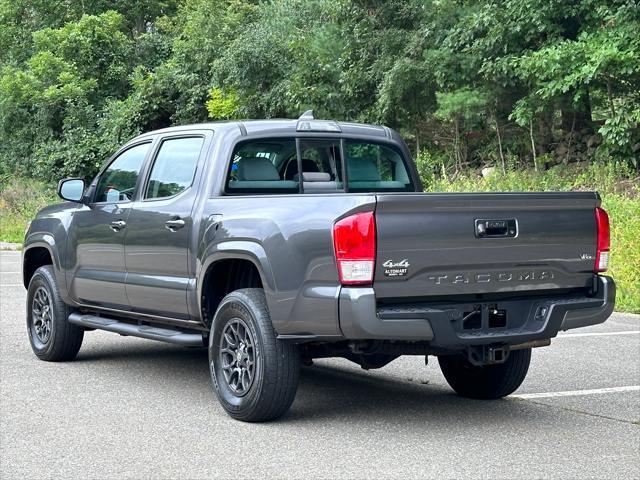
point(144, 331)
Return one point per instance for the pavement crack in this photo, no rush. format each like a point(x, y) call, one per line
point(577, 410)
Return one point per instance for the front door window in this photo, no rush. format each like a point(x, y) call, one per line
point(118, 181)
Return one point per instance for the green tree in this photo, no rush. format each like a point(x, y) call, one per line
point(465, 109)
point(481, 81)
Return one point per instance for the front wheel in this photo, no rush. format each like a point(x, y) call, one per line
point(488, 381)
point(52, 337)
point(254, 374)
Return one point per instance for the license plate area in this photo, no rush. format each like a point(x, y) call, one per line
point(487, 316)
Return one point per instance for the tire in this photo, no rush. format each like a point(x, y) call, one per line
point(52, 337)
point(489, 381)
point(255, 375)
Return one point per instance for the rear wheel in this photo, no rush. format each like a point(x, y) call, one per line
point(487, 381)
point(254, 374)
point(52, 337)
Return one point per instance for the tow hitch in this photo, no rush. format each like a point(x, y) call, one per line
point(487, 355)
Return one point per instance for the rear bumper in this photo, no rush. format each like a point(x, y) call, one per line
point(443, 325)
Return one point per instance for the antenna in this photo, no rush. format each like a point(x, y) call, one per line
point(308, 115)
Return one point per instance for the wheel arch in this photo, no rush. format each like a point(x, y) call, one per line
point(231, 266)
point(39, 252)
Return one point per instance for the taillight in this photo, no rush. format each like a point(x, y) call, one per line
point(354, 244)
point(602, 249)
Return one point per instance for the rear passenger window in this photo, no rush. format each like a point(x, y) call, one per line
point(264, 167)
point(174, 167)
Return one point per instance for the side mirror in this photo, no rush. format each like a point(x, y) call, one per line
point(71, 189)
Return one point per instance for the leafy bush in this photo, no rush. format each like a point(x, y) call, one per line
point(221, 105)
point(486, 82)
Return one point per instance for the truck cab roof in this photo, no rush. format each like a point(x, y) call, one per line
point(287, 127)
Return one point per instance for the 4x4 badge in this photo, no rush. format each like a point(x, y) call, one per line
point(396, 269)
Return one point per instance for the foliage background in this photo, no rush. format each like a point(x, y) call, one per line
point(474, 82)
point(547, 92)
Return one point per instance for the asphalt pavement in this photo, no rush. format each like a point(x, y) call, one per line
point(133, 408)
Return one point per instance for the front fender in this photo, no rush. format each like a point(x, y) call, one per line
point(49, 230)
point(46, 241)
point(40, 240)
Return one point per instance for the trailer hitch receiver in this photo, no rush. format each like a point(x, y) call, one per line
point(487, 354)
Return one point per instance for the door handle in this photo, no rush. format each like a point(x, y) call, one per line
point(174, 225)
point(117, 225)
point(496, 228)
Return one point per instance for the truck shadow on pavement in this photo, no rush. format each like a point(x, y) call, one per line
point(329, 392)
point(325, 393)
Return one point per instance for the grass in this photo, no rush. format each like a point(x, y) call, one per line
point(21, 198)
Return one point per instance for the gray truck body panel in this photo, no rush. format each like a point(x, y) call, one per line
point(146, 271)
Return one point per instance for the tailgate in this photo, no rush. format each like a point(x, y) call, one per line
point(474, 243)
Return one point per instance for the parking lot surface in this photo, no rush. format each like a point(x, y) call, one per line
point(133, 408)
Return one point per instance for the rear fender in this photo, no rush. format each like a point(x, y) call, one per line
point(241, 250)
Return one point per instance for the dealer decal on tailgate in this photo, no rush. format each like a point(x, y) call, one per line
point(396, 269)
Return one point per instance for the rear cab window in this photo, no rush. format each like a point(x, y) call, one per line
point(315, 165)
point(373, 167)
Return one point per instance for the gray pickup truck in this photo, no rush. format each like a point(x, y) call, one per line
point(274, 242)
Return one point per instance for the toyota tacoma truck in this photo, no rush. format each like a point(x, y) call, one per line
point(274, 242)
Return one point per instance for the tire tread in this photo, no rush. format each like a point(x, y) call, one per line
point(67, 338)
point(281, 361)
point(486, 382)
